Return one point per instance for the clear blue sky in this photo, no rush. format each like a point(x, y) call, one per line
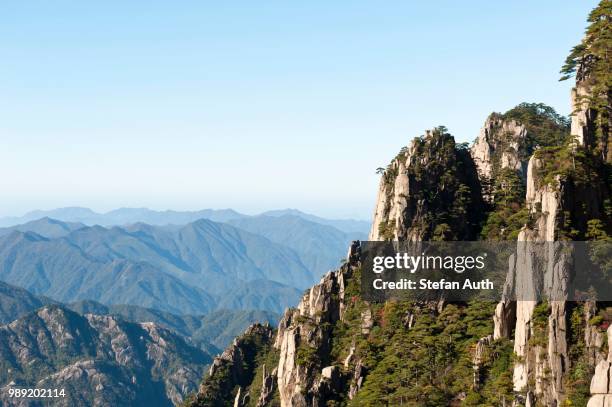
point(255, 104)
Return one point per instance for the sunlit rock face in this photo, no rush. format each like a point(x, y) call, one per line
point(501, 143)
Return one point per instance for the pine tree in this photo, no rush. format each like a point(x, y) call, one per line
point(591, 63)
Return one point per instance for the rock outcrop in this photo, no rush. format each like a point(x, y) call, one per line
point(601, 383)
point(480, 354)
point(304, 340)
point(501, 143)
point(560, 206)
point(268, 386)
point(421, 189)
point(98, 360)
point(231, 373)
point(583, 118)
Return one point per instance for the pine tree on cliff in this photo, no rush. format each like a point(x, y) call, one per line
point(591, 63)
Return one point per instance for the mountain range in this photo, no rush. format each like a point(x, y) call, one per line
point(109, 355)
point(259, 262)
point(124, 216)
point(196, 268)
point(128, 307)
point(211, 332)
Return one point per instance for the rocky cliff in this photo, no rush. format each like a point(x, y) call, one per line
point(334, 347)
point(501, 143)
point(568, 191)
point(97, 360)
point(429, 191)
point(306, 374)
point(239, 376)
point(530, 176)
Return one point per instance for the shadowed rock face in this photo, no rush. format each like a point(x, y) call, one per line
point(231, 374)
point(430, 189)
point(98, 360)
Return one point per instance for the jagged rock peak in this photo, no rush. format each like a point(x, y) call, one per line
point(429, 190)
point(506, 142)
point(501, 143)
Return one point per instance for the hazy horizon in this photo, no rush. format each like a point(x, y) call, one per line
point(255, 106)
point(106, 211)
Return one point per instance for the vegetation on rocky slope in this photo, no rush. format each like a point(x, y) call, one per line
point(97, 358)
point(545, 129)
point(591, 63)
point(433, 354)
point(238, 369)
point(444, 201)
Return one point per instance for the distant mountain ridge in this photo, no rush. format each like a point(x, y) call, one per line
point(139, 264)
point(45, 226)
point(192, 269)
point(345, 225)
point(211, 332)
point(125, 216)
point(320, 246)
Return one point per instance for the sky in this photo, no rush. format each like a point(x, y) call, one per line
point(255, 105)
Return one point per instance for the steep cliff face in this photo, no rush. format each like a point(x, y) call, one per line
point(98, 360)
point(501, 143)
point(583, 122)
point(304, 340)
point(540, 342)
point(429, 191)
point(232, 380)
point(567, 193)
